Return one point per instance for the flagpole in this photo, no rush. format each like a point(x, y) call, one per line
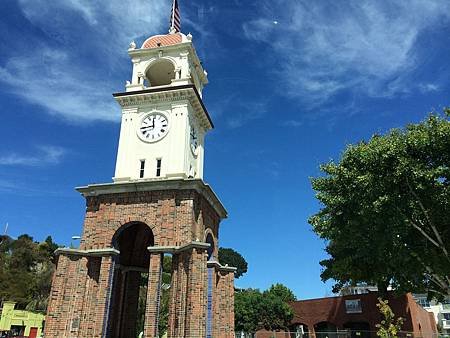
point(172, 24)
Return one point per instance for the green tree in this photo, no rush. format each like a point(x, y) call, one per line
point(255, 310)
point(165, 295)
point(247, 310)
point(26, 270)
point(234, 259)
point(385, 210)
point(281, 292)
point(389, 326)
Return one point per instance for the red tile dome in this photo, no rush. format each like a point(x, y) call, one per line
point(162, 40)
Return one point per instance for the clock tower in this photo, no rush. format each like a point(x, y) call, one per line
point(164, 120)
point(157, 206)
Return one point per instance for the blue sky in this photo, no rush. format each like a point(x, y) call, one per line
point(292, 82)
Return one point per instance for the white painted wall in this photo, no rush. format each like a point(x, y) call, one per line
point(178, 160)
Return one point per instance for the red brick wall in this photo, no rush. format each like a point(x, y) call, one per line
point(176, 218)
point(332, 309)
point(423, 322)
point(223, 303)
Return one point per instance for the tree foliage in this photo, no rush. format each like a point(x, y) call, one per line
point(389, 326)
point(282, 292)
point(26, 269)
point(255, 310)
point(165, 295)
point(385, 210)
point(234, 259)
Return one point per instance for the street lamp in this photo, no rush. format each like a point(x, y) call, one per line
point(74, 238)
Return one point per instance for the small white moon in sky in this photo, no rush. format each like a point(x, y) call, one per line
point(275, 22)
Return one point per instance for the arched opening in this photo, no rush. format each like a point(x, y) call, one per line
point(325, 330)
point(211, 249)
point(299, 330)
point(129, 290)
point(358, 329)
point(160, 73)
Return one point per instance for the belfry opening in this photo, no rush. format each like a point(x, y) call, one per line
point(160, 73)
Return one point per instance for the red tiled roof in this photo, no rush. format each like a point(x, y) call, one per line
point(162, 40)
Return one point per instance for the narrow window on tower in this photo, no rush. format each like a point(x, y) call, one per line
point(158, 167)
point(142, 169)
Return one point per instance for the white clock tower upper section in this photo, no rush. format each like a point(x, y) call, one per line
point(164, 120)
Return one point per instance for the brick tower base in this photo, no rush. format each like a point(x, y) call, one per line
point(128, 228)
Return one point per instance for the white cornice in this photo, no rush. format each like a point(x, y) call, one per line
point(167, 94)
point(89, 253)
point(220, 267)
point(178, 249)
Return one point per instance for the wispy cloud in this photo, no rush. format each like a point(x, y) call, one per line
point(292, 123)
point(7, 185)
point(50, 79)
point(429, 87)
point(325, 47)
point(31, 188)
point(45, 155)
point(73, 70)
point(244, 112)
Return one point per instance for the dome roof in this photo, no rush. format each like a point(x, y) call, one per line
point(163, 40)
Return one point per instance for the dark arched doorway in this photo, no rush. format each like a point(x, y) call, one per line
point(130, 280)
point(358, 329)
point(325, 330)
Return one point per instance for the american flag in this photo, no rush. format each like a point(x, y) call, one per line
point(175, 19)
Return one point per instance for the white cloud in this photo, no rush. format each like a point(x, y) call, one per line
point(292, 123)
point(45, 155)
point(115, 22)
point(7, 185)
point(429, 87)
point(74, 73)
point(244, 112)
point(322, 48)
point(50, 79)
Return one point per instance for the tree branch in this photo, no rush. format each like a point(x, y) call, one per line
point(419, 228)
point(428, 218)
point(434, 277)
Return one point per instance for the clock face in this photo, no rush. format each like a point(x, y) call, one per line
point(194, 140)
point(153, 127)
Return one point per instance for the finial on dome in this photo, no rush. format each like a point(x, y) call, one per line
point(175, 18)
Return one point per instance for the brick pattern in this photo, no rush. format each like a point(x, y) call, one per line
point(92, 288)
point(196, 294)
point(223, 326)
point(153, 296)
point(75, 307)
point(178, 291)
point(85, 302)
